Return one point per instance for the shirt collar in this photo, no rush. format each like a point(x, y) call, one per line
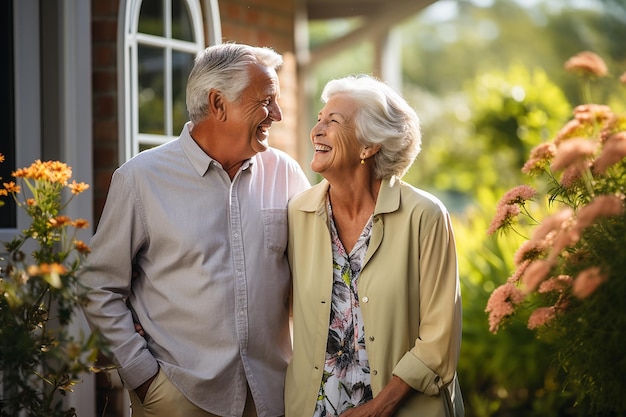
point(388, 197)
point(197, 157)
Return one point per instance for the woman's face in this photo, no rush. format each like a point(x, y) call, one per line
point(337, 151)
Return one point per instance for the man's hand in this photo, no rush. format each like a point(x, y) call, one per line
point(142, 389)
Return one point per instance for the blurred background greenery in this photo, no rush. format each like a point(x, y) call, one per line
point(487, 78)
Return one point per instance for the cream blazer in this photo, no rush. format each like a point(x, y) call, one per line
point(409, 296)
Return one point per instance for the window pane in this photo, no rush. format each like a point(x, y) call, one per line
point(151, 19)
point(181, 23)
point(182, 63)
point(143, 147)
point(151, 63)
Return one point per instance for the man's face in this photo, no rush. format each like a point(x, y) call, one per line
point(250, 118)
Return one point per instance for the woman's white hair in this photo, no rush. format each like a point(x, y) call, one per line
point(224, 67)
point(382, 118)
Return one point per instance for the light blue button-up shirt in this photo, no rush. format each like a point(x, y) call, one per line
point(213, 280)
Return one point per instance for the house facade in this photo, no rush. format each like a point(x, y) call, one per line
point(93, 82)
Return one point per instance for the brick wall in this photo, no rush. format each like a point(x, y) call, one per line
point(104, 81)
point(268, 23)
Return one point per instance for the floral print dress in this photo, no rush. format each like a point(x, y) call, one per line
point(346, 379)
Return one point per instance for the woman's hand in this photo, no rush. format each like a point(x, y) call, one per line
point(385, 403)
point(368, 409)
point(140, 330)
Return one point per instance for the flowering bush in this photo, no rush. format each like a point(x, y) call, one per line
point(39, 358)
point(571, 269)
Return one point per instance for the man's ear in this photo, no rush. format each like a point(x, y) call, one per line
point(217, 104)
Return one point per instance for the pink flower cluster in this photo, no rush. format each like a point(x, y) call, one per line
point(613, 151)
point(585, 164)
point(508, 207)
point(537, 258)
point(502, 303)
point(587, 63)
point(540, 157)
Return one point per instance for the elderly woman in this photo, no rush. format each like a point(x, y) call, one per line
point(377, 306)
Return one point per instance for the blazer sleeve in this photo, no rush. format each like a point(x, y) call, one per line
point(431, 363)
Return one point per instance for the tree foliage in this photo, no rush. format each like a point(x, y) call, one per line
point(489, 84)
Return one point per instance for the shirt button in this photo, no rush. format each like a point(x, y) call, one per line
point(241, 313)
point(365, 299)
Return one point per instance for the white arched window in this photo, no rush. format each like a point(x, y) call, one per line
point(161, 40)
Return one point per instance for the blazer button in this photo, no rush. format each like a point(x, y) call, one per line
point(374, 372)
point(365, 299)
point(371, 338)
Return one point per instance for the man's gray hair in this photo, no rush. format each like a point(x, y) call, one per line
point(224, 68)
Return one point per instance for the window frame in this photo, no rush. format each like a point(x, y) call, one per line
point(130, 137)
point(26, 96)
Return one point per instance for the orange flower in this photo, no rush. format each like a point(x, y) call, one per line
point(587, 63)
point(59, 221)
point(51, 273)
point(53, 268)
point(82, 247)
point(78, 187)
point(11, 187)
point(80, 223)
point(51, 171)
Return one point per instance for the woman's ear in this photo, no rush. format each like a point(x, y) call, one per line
point(369, 151)
point(217, 104)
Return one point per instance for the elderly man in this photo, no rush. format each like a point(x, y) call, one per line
point(202, 222)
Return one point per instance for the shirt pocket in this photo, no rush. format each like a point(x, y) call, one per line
point(275, 229)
